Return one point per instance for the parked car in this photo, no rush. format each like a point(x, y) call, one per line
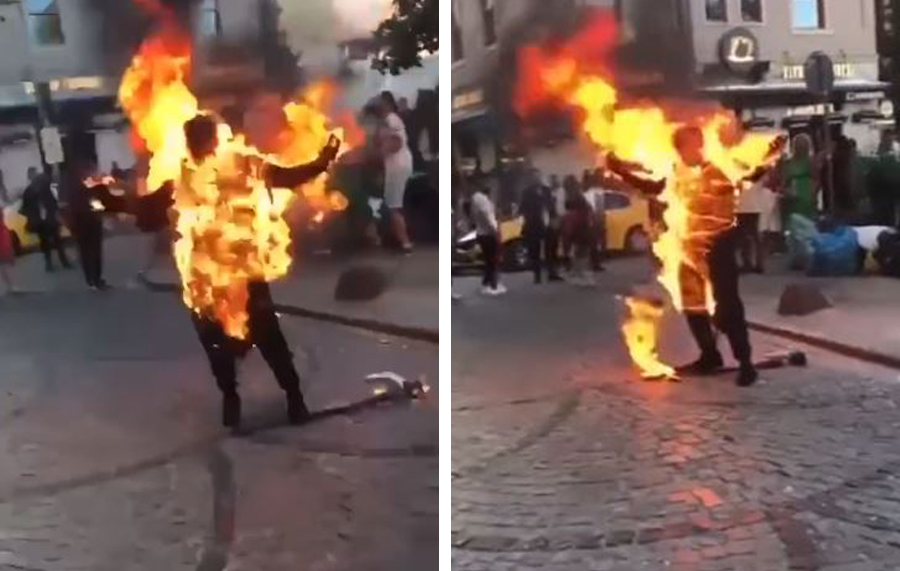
point(628, 229)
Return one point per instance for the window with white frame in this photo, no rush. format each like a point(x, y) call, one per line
point(44, 22)
point(752, 11)
point(809, 14)
point(716, 10)
point(488, 22)
point(456, 41)
point(209, 23)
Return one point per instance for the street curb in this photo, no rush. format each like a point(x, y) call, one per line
point(851, 351)
point(374, 325)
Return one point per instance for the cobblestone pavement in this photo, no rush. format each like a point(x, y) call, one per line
point(111, 456)
point(563, 461)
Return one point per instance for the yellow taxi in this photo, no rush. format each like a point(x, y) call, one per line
point(628, 229)
point(22, 239)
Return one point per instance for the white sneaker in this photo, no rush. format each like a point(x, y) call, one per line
point(500, 289)
point(487, 290)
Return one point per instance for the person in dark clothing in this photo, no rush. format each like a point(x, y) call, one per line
point(41, 211)
point(555, 201)
point(536, 217)
point(710, 245)
point(223, 351)
point(86, 217)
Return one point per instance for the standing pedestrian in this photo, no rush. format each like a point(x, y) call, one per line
point(487, 230)
point(801, 182)
point(41, 211)
point(536, 217)
point(87, 220)
point(581, 236)
point(749, 210)
point(555, 198)
point(596, 199)
point(398, 166)
point(7, 252)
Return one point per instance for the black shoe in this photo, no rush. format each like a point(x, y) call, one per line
point(705, 365)
point(747, 375)
point(102, 285)
point(231, 410)
point(297, 411)
point(555, 278)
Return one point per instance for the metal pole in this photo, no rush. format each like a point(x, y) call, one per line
point(829, 159)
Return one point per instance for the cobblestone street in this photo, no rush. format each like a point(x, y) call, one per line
point(113, 457)
point(562, 460)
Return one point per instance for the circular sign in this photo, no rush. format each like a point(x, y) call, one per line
point(739, 50)
point(819, 74)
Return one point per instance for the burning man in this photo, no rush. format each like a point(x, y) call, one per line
point(265, 333)
point(710, 200)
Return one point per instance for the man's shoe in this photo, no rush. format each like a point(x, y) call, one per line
point(297, 411)
point(231, 410)
point(747, 375)
point(705, 365)
point(555, 278)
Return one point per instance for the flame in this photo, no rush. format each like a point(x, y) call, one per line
point(230, 227)
point(641, 331)
point(578, 75)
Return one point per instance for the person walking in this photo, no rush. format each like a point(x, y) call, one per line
point(7, 252)
point(41, 211)
point(711, 263)
point(398, 166)
point(487, 230)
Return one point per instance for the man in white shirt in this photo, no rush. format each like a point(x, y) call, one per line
point(595, 194)
point(487, 229)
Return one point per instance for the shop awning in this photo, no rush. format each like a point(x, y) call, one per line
point(841, 85)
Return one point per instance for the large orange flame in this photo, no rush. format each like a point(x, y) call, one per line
point(579, 75)
point(230, 226)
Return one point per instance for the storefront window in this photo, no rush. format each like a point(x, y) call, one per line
point(751, 11)
point(809, 14)
point(209, 25)
point(716, 10)
point(44, 22)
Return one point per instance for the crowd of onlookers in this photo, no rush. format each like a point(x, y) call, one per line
point(829, 212)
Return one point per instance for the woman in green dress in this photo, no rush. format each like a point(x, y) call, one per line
point(801, 181)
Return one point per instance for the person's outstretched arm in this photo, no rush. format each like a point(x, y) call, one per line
point(292, 177)
point(624, 171)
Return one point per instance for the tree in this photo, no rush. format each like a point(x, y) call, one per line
point(412, 29)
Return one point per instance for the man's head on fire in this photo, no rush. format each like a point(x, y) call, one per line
point(688, 141)
point(202, 134)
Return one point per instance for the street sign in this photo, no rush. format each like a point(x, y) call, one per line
point(819, 74)
point(52, 143)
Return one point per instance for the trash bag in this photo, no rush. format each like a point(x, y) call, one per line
point(835, 253)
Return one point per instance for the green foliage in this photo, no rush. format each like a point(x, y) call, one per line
point(411, 30)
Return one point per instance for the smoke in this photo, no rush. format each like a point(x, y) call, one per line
point(316, 22)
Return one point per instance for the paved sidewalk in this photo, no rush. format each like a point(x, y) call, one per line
point(410, 301)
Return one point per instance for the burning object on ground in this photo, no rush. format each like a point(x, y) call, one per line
point(641, 331)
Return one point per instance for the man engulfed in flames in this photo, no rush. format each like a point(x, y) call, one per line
point(226, 200)
point(708, 274)
point(693, 156)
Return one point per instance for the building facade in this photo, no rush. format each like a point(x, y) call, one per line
point(747, 54)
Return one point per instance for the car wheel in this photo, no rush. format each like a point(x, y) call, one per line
point(16, 244)
point(515, 255)
point(637, 241)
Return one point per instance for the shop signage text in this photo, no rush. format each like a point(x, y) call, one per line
point(797, 73)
